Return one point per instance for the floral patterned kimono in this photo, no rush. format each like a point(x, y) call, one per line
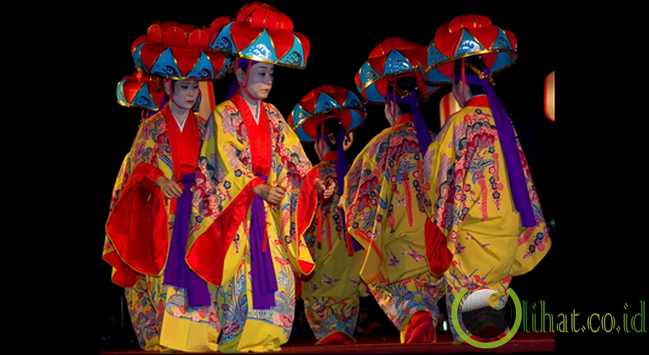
point(331, 294)
point(472, 205)
point(247, 247)
point(141, 234)
point(385, 207)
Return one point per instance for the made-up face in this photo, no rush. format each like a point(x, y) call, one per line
point(183, 93)
point(257, 81)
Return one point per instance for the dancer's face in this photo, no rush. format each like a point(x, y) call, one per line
point(184, 93)
point(257, 81)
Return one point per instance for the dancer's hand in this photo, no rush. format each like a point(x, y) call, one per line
point(325, 189)
point(271, 194)
point(330, 188)
point(170, 189)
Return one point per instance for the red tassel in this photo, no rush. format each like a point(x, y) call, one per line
point(348, 241)
point(439, 257)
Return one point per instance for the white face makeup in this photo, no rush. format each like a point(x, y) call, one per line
point(257, 81)
point(184, 93)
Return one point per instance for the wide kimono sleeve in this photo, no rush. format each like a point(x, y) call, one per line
point(136, 238)
point(366, 199)
point(470, 188)
point(534, 242)
point(293, 170)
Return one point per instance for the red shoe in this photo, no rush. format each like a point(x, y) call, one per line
point(420, 329)
point(336, 338)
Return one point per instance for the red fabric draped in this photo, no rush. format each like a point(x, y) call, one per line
point(138, 224)
point(206, 256)
point(137, 228)
point(439, 257)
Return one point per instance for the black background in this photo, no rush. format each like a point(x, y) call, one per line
point(587, 166)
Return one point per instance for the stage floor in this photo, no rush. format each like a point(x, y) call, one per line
point(444, 345)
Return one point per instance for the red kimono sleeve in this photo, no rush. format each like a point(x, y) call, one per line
point(137, 228)
point(206, 255)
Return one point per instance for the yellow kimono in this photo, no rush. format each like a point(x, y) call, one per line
point(331, 294)
point(222, 236)
point(385, 207)
point(138, 235)
point(473, 206)
point(145, 299)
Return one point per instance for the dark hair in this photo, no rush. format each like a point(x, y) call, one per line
point(331, 125)
point(473, 61)
point(242, 64)
point(400, 88)
point(404, 91)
